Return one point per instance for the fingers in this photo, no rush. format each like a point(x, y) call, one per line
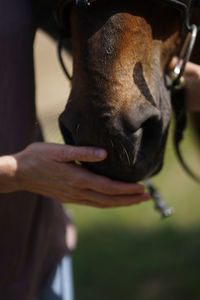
point(192, 71)
point(67, 153)
point(85, 179)
point(68, 182)
point(102, 201)
point(92, 198)
point(112, 187)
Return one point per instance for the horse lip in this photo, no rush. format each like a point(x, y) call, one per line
point(139, 171)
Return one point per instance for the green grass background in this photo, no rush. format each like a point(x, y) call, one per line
point(131, 253)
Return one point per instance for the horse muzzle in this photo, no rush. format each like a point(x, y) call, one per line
point(135, 145)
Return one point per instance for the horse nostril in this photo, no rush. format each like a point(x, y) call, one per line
point(152, 132)
point(140, 119)
point(128, 127)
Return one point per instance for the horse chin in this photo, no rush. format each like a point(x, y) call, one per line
point(137, 172)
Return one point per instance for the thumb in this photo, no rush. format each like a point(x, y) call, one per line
point(172, 63)
point(67, 153)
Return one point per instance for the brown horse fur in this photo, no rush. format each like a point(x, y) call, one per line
point(119, 100)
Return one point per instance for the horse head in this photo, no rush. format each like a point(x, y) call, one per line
point(119, 100)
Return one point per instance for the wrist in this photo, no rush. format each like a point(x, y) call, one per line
point(8, 171)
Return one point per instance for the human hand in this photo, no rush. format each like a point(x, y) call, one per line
point(192, 85)
point(49, 169)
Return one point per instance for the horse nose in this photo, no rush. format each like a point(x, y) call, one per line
point(144, 126)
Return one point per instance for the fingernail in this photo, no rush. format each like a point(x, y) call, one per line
point(100, 153)
point(141, 188)
point(148, 196)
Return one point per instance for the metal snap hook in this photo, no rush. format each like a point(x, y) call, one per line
point(176, 76)
point(160, 204)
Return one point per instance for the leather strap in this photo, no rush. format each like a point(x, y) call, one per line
point(178, 103)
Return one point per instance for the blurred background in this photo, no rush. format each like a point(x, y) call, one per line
point(128, 253)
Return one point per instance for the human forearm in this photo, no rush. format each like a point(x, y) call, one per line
point(8, 168)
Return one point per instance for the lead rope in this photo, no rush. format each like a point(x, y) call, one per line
point(160, 204)
point(180, 126)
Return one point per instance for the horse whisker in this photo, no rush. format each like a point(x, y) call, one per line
point(77, 128)
point(126, 154)
point(112, 144)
